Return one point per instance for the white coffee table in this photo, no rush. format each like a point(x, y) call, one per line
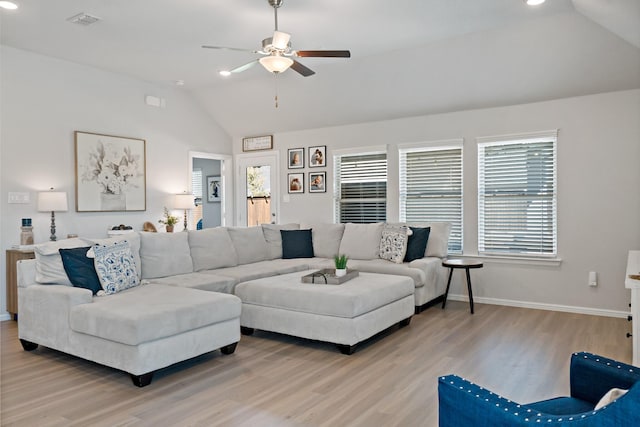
point(345, 314)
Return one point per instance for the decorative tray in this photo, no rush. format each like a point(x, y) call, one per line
point(327, 276)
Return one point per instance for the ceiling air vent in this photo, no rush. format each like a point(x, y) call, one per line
point(83, 19)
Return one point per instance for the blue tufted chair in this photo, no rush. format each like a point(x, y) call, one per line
point(465, 404)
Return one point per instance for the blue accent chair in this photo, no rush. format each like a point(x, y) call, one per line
point(199, 224)
point(465, 404)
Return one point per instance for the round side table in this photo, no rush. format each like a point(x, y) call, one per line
point(460, 263)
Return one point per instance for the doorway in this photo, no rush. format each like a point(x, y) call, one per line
point(257, 189)
point(211, 211)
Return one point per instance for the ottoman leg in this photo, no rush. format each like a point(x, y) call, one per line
point(229, 349)
point(346, 349)
point(246, 331)
point(142, 380)
point(28, 345)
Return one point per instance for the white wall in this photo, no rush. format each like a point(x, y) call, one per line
point(598, 180)
point(44, 100)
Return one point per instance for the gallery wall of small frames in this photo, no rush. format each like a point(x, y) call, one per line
point(312, 157)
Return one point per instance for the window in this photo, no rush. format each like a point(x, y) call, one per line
point(360, 187)
point(431, 187)
point(517, 193)
point(196, 189)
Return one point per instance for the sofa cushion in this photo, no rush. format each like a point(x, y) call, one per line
point(261, 269)
point(361, 241)
point(165, 254)
point(438, 244)
point(249, 243)
point(200, 280)
point(134, 243)
point(274, 238)
point(115, 267)
point(432, 269)
point(168, 310)
point(80, 268)
point(417, 244)
point(382, 266)
point(326, 238)
point(212, 248)
point(393, 243)
point(296, 244)
point(49, 268)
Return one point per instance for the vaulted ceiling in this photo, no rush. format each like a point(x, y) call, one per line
point(410, 57)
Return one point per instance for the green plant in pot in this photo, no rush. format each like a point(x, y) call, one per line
point(169, 220)
point(341, 264)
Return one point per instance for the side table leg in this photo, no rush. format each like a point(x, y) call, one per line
point(444, 301)
point(469, 289)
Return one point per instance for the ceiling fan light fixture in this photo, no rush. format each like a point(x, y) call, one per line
point(276, 63)
point(280, 40)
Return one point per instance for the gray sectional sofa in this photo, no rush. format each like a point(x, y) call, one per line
point(185, 303)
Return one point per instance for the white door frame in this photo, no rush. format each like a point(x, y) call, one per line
point(241, 199)
point(226, 172)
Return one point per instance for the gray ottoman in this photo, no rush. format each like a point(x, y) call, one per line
point(342, 314)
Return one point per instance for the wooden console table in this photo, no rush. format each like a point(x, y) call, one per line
point(13, 256)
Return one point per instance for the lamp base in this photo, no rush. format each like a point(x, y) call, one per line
point(53, 237)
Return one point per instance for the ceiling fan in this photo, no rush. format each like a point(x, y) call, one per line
point(277, 52)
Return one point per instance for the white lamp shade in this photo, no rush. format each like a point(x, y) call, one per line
point(276, 64)
point(184, 201)
point(49, 201)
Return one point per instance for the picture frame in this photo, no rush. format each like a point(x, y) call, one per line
point(317, 182)
point(110, 173)
point(295, 183)
point(318, 156)
point(257, 143)
point(214, 189)
point(295, 158)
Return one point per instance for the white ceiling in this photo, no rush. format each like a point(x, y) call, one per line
point(409, 57)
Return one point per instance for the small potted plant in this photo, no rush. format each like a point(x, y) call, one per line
point(341, 264)
point(169, 220)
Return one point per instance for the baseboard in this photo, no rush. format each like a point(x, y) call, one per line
point(5, 316)
point(542, 306)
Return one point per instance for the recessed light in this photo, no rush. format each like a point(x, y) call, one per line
point(534, 2)
point(225, 73)
point(8, 5)
point(179, 82)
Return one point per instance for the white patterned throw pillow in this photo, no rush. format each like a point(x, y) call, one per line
point(393, 244)
point(115, 266)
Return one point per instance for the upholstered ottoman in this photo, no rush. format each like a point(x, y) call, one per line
point(343, 314)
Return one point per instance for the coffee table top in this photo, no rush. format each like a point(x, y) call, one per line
point(461, 263)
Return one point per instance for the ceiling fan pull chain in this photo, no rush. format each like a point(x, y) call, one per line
point(275, 76)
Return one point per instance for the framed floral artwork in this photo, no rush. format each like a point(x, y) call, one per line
point(296, 182)
point(317, 156)
point(296, 158)
point(317, 182)
point(110, 173)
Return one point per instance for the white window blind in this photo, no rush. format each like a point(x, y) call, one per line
point(360, 188)
point(517, 196)
point(195, 214)
point(431, 188)
point(196, 183)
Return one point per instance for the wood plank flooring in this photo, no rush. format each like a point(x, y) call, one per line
point(276, 380)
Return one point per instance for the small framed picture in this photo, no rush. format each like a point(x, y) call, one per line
point(296, 158)
point(214, 189)
point(317, 182)
point(296, 182)
point(317, 156)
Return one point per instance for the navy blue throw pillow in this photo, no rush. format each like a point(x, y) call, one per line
point(417, 243)
point(80, 269)
point(296, 244)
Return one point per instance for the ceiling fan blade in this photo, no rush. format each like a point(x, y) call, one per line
point(229, 48)
point(301, 69)
point(244, 67)
point(323, 53)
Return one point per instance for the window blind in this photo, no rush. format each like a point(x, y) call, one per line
point(517, 197)
point(431, 189)
point(361, 188)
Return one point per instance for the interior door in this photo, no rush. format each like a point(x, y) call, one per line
point(257, 178)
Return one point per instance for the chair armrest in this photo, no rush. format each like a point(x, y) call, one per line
point(592, 376)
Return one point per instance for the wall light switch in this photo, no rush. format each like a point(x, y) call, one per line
point(15, 197)
point(593, 278)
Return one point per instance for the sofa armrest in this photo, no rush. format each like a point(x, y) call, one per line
point(592, 376)
point(26, 272)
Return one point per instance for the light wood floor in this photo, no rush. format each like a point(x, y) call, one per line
point(275, 380)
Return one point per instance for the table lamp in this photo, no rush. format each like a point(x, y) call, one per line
point(184, 201)
point(52, 201)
